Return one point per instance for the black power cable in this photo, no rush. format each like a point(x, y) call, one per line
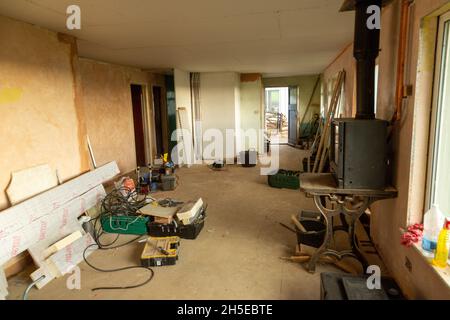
point(118, 202)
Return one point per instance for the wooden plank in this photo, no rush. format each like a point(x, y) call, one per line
point(325, 152)
point(30, 182)
point(158, 211)
point(316, 85)
point(17, 264)
point(48, 228)
point(341, 264)
point(22, 215)
point(62, 243)
point(63, 261)
point(45, 271)
point(329, 117)
point(39, 251)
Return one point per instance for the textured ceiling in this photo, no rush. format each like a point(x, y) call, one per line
point(277, 37)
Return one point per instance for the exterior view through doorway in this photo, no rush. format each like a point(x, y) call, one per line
point(280, 114)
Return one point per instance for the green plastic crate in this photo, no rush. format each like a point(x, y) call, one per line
point(125, 224)
point(285, 179)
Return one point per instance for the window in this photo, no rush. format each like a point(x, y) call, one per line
point(439, 161)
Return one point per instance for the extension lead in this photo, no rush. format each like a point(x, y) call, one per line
point(116, 203)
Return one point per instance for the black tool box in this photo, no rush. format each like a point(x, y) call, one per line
point(189, 231)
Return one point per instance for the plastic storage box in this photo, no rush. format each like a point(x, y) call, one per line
point(190, 231)
point(168, 182)
point(125, 224)
point(285, 179)
point(160, 251)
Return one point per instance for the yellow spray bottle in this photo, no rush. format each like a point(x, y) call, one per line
point(442, 248)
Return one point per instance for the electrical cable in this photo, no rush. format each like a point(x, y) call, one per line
point(27, 290)
point(152, 273)
point(119, 202)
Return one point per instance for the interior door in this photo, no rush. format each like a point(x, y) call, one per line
point(136, 99)
point(292, 116)
point(157, 107)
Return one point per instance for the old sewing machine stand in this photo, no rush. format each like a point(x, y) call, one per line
point(345, 203)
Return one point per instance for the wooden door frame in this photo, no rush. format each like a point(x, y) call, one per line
point(164, 119)
point(146, 119)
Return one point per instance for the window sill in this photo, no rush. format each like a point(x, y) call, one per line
point(444, 273)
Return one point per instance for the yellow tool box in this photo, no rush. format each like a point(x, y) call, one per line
point(160, 251)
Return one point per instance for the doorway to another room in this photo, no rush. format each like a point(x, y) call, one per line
point(137, 102)
point(280, 115)
point(160, 118)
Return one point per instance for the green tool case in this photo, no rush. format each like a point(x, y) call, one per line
point(125, 224)
point(285, 179)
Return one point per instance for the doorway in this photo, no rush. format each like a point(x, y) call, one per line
point(276, 114)
point(138, 121)
point(159, 120)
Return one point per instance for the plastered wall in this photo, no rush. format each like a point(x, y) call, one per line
point(108, 111)
point(251, 106)
point(39, 116)
point(408, 146)
point(50, 99)
point(219, 101)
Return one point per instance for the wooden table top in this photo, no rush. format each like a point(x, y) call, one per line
point(324, 184)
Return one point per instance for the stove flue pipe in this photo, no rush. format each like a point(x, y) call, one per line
point(365, 51)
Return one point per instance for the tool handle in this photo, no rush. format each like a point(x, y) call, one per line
point(298, 224)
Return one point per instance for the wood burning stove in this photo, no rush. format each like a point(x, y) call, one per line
point(358, 153)
point(359, 145)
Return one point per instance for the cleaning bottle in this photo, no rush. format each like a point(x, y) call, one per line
point(432, 224)
point(441, 255)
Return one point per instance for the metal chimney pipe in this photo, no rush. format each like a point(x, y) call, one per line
point(365, 50)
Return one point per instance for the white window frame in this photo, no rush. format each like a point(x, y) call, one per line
point(436, 105)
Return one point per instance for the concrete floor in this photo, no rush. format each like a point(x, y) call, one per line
point(237, 255)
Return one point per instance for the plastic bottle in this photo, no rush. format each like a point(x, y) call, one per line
point(441, 255)
point(432, 224)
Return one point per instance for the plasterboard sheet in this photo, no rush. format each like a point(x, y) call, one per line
point(30, 182)
point(48, 228)
point(29, 211)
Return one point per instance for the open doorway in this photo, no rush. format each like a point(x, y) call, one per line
point(276, 114)
point(159, 116)
point(138, 121)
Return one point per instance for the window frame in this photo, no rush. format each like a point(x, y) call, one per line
point(442, 31)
